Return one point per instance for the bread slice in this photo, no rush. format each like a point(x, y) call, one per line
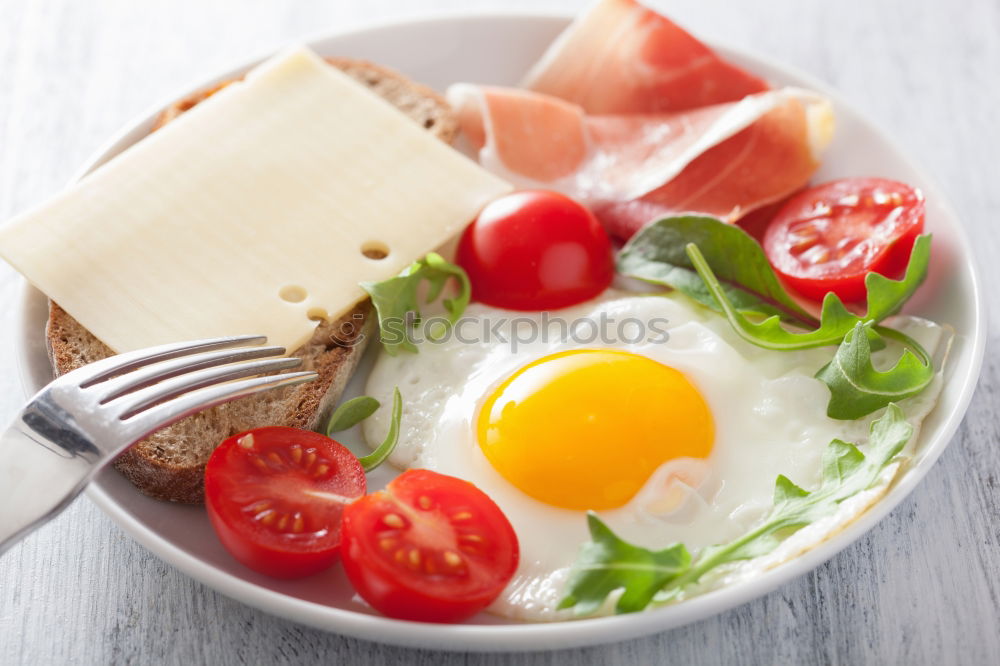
point(170, 463)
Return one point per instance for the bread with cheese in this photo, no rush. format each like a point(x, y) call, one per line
point(170, 463)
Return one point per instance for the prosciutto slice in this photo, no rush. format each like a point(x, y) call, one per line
point(621, 57)
point(723, 160)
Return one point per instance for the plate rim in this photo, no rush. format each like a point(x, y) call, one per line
point(516, 636)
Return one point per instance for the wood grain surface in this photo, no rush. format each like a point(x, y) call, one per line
point(923, 587)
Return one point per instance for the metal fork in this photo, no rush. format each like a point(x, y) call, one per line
point(82, 420)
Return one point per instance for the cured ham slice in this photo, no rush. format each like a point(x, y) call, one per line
point(723, 160)
point(758, 166)
point(621, 57)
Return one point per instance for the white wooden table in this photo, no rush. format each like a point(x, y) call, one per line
point(922, 587)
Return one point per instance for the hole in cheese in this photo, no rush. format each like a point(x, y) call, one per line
point(317, 314)
point(375, 250)
point(293, 293)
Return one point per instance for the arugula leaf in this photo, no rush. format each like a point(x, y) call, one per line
point(846, 472)
point(384, 450)
point(396, 297)
point(885, 297)
point(857, 388)
point(608, 563)
point(657, 255)
point(351, 413)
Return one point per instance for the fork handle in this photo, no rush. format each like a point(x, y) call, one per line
point(36, 480)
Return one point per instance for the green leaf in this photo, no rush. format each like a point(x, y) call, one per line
point(351, 413)
point(885, 297)
point(857, 388)
point(846, 472)
point(384, 450)
point(785, 490)
point(842, 460)
point(657, 255)
point(607, 563)
point(396, 297)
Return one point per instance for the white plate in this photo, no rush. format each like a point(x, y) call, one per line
point(498, 49)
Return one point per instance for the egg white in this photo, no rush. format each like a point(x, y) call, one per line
point(769, 412)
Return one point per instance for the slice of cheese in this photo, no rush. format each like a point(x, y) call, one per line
point(250, 213)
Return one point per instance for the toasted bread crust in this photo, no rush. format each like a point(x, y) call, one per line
point(170, 464)
point(418, 101)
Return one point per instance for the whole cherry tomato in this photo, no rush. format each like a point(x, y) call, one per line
point(536, 250)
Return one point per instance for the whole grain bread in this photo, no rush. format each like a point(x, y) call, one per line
point(170, 463)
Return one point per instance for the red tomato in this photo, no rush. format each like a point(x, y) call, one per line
point(276, 496)
point(758, 220)
point(830, 237)
point(536, 250)
point(429, 547)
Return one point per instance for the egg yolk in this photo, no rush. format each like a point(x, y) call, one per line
point(585, 429)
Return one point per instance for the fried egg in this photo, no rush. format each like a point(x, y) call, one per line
point(646, 408)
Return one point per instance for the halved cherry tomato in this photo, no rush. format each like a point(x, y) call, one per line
point(429, 547)
point(830, 237)
point(758, 220)
point(536, 250)
point(276, 496)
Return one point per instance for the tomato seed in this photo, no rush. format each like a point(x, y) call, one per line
point(246, 441)
point(470, 543)
point(803, 243)
point(257, 507)
point(393, 520)
point(425, 502)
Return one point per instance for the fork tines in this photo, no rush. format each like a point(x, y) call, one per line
point(151, 388)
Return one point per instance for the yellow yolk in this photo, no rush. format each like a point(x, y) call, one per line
point(585, 429)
